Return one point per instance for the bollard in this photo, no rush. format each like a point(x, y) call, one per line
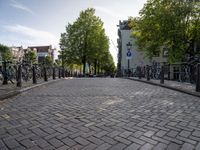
point(34, 75)
point(54, 73)
point(162, 75)
point(140, 72)
point(19, 76)
point(198, 79)
point(59, 75)
point(5, 74)
point(63, 72)
point(148, 75)
point(45, 74)
point(169, 72)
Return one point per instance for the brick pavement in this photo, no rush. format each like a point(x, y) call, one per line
point(100, 114)
point(10, 89)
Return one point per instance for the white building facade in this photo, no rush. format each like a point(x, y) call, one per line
point(127, 63)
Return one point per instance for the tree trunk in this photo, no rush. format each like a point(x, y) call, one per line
point(98, 70)
point(89, 68)
point(95, 67)
point(84, 64)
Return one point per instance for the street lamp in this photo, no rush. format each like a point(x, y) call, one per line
point(128, 55)
point(62, 47)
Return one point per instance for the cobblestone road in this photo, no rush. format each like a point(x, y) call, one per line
point(100, 114)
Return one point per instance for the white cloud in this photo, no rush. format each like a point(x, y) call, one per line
point(18, 5)
point(35, 37)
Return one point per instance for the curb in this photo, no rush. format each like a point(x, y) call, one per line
point(16, 92)
point(168, 87)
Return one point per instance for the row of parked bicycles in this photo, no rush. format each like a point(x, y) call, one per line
point(184, 72)
point(10, 71)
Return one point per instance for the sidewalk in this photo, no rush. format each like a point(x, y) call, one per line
point(183, 87)
point(11, 90)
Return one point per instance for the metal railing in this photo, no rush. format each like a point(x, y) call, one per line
point(183, 73)
point(25, 72)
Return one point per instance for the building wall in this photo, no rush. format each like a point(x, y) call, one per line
point(138, 58)
point(42, 52)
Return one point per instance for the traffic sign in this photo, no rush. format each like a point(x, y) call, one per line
point(128, 54)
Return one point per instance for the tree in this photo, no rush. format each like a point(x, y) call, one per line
point(85, 41)
point(170, 24)
point(30, 56)
point(48, 61)
point(5, 53)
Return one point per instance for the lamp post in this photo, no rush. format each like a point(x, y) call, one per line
point(128, 55)
point(62, 49)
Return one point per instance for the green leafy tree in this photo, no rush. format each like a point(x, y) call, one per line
point(30, 56)
point(85, 41)
point(48, 61)
point(6, 53)
point(170, 24)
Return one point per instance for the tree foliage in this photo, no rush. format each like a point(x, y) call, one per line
point(173, 24)
point(30, 56)
point(85, 41)
point(6, 53)
point(48, 61)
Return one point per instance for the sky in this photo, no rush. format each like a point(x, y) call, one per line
point(40, 22)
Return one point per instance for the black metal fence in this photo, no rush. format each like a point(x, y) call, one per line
point(25, 72)
point(177, 72)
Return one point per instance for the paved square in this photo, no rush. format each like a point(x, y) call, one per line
point(100, 114)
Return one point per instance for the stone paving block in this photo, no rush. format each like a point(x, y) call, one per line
point(42, 143)
point(37, 148)
point(194, 138)
point(198, 146)
point(4, 148)
point(104, 146)
point(56, 143)
point(2, 144)
point(20, 148)
point(133, 146)
point(90, 147)
point(69, 142)
point(48, 148)
point(152, 124)
point(11, 143)
point(95, 140)
point(160, 140)
point(135, 140)
point(173, 146)
point(27, 143)
point(185, 133)
point(81, 141)
point(65, 147)
point(122, 140)
point(108, 140)
point(118, 146)
point(187, 146)
point(160, 146)
point(114, 133)
point(125, 134)
point(100, 134)
point(196, 133)
point(149, 133)
point(186, 140)
point(137, 134)
point(88, 134)
point(172, 133)
point(149, 140)
point(50, 136)
point(146, 146)
point(161, 133)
